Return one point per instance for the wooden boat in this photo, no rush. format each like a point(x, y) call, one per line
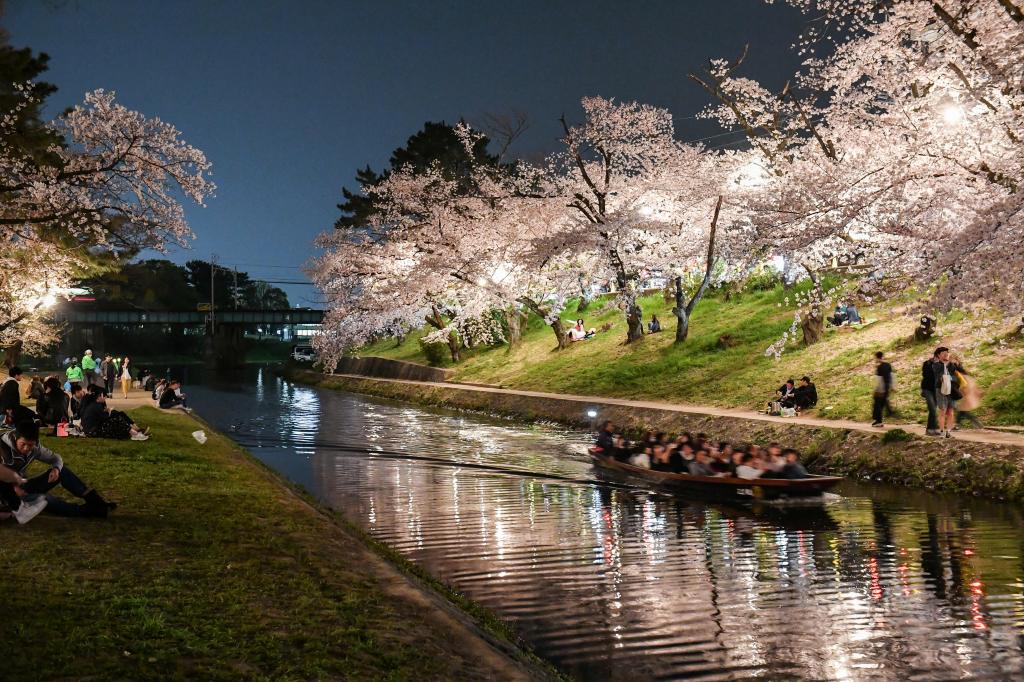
point(717, 487)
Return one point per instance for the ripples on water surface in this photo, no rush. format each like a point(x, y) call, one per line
point(618, 583)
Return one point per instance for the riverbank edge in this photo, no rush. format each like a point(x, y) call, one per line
point(949, 465)
point(477, 619)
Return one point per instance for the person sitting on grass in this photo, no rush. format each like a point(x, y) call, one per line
point(852, 316)
point(172, 397)
point(784, 396)
point(55, 405)
point(77, 400)
point(840, 316)
point(99, 422)
point(806, 395)
point(10, 391)
point(654, 326)
point(25, 498)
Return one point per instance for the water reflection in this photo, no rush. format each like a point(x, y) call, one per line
point(618, 583)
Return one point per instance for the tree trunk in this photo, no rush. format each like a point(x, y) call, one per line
point(684, 312)
point(634, 320)
point(435, 320)
point(679, 310)
point(584, 297)
point(543, 313)
point(515, 327)
point(559, 329)
point(453, 346)
point(12, 354)
point(813, 325)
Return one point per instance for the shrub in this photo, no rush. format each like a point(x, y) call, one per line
point(896, 436)
point(436, 353)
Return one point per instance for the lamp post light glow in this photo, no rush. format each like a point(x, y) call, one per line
point(952, 114)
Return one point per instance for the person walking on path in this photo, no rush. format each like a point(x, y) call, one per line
point(928, 378)
point(883, 388)
point(74, 372)
point(947, 391)
point(970, 395)
point(126, 377)
point(109, 375)
point(88, 366)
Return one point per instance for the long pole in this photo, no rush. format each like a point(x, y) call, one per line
point(213, 306)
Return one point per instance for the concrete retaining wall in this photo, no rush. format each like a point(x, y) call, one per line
point(392, 369)
point(982, 469)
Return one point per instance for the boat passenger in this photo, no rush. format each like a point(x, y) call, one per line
point(660, 458)
point(700, 466)
point(748, 467)
point(620, 449)
point(641, 459)
point(680, 459)
point(793, 467)
point(722, 463)
point(605, 437)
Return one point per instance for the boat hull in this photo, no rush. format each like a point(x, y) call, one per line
point(718, 488)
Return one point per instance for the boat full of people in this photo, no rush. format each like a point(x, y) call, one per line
point(699, 466)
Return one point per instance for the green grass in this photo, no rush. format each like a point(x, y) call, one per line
point(210, 569)
point(735, 372)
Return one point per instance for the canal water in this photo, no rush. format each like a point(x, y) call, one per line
point(611, 582)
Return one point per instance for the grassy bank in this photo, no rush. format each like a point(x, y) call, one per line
point(723, 362)
point(211, 568)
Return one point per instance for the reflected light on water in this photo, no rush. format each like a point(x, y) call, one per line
point(621, 583)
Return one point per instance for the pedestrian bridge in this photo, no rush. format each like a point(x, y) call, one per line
point(194, 318)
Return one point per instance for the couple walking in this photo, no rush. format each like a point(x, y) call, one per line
point(947, 388)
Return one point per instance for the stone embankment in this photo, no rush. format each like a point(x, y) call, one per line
point(989, 465)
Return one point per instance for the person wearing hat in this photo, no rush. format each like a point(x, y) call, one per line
point(88, 366)
point(25, 498)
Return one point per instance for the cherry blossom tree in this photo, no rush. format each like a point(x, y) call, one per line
point(111, 185)
point(898, 147)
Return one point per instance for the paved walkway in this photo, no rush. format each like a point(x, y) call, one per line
point(973, 435)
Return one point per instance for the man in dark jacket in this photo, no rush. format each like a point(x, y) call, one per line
point(930, 371)
point(883, 387)
point(806, 395)
point(10, 392)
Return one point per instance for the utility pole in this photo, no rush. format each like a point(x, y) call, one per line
point(213, 305)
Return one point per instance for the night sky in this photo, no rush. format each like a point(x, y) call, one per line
point(287, 99)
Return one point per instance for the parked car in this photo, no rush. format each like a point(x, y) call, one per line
point(303, 354)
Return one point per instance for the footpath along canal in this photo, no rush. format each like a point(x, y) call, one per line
point(611, 582)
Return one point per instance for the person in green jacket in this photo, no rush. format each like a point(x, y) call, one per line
point(74, 371)
point(88, 367)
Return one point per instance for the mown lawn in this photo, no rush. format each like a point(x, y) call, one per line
point(210, 569)
point(723, 362)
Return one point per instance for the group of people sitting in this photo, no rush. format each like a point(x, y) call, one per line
point(168, 394)
point(845, 313)
point(82, 410)
point(700, 456)
point(793, 399)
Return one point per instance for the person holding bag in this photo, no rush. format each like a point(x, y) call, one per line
point(970, 396)
point(947, 391)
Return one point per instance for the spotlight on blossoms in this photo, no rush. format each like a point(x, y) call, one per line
point(110, 182)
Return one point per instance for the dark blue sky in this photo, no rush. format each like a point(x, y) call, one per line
point(287, 99)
